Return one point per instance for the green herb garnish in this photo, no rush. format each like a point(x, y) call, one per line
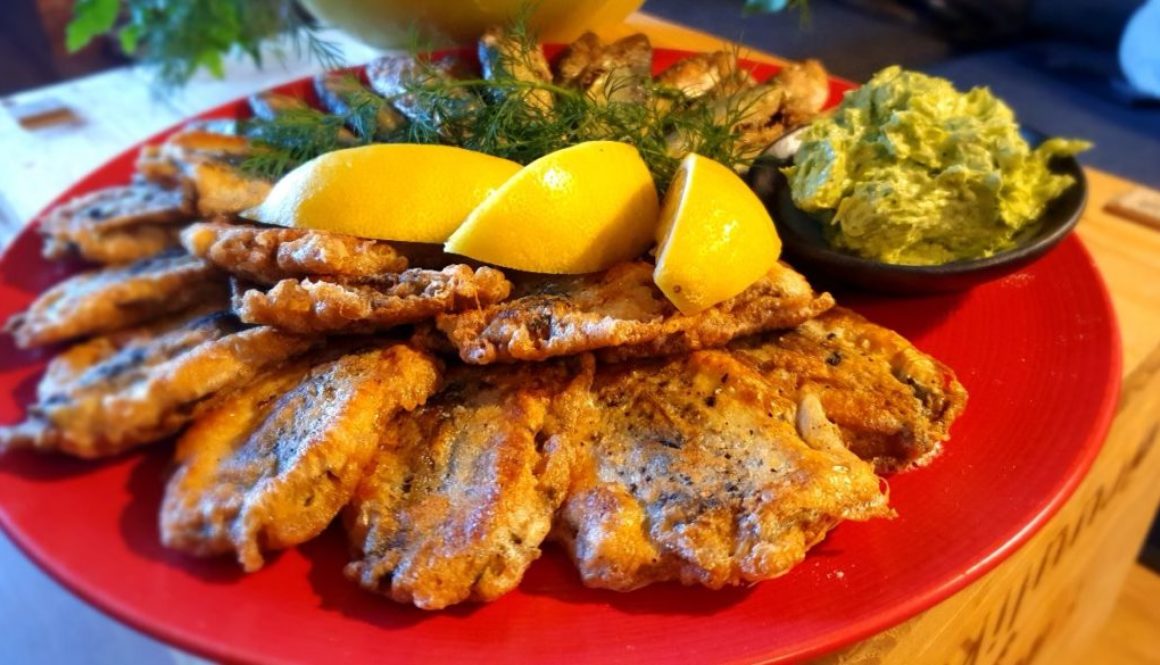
point(662, 129)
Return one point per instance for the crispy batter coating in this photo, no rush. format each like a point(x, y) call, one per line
point(113, 393)
point(116, 224)
point(123, 246)
point(616, 72)
point(757, 114)
point(623, 312)
point(688, 469)
point(267, 255)
point(269, 466)
point(205, 159)
point(577, 65)
point(893, 403)
point(118, 297)
point(224, 189)
point(717, 72)
point(807, 87)
point(462, 492)
point(391, 300)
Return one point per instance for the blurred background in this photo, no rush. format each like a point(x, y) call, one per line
point(1057, 62)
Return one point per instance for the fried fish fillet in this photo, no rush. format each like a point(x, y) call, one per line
point(462, 492)
point(310, 305)
point(698, 75)
point(366, 113)
point(206, 159)
point(756, 114)
point(397, 77)
point(807, 87)
point(269, 466)
point(623, 312)
point(753, 115)
point(117, 297)
point(502, 55)
point(116, 224)
point(112, 393)
point(689, 469)
point(616, 72)
point(224, 189)
point(269, 105)
point(893, 403)
point(267, 255)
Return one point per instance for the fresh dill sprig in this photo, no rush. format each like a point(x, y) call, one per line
point(363, 110)
point(292, 138)
point(662, 124)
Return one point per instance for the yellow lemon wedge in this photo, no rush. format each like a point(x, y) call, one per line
point(715, 237)
point(395, 191)
point(576, 210)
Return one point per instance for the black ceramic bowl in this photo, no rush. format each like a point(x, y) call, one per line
point(807, 250)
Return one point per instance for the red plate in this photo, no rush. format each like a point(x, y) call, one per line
point(1038, 351)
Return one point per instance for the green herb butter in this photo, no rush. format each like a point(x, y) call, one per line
point(910, 171)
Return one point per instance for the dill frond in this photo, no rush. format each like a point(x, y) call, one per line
point(292, 138)
point(661, 124)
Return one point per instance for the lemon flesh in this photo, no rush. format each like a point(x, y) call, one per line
point(397, 191)
point(581, 209)
point(715, 236)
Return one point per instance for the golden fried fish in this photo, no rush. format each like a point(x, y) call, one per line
point(807, 88)
point(893, 403)
point(624, 314)
point(616, 72)
point(206, 159)
point(118, 297)
point(716, 73)
point(269, 466)
point(267, 255)
point(331, 306)
point(109, 394)
point(462, 492)
point(117, 224)
point(689, 469)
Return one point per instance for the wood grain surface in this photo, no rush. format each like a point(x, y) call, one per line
point(1043, 605)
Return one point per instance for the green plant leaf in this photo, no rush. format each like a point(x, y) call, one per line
point(90, 19)
point(130, 37)
point(212, 61)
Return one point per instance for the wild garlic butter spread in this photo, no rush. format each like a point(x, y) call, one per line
point(908, 170)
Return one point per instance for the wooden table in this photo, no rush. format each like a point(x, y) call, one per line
point(1042, 605)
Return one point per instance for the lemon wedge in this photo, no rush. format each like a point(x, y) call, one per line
point(715, 236)
point(576, 210)
point(397, 191)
